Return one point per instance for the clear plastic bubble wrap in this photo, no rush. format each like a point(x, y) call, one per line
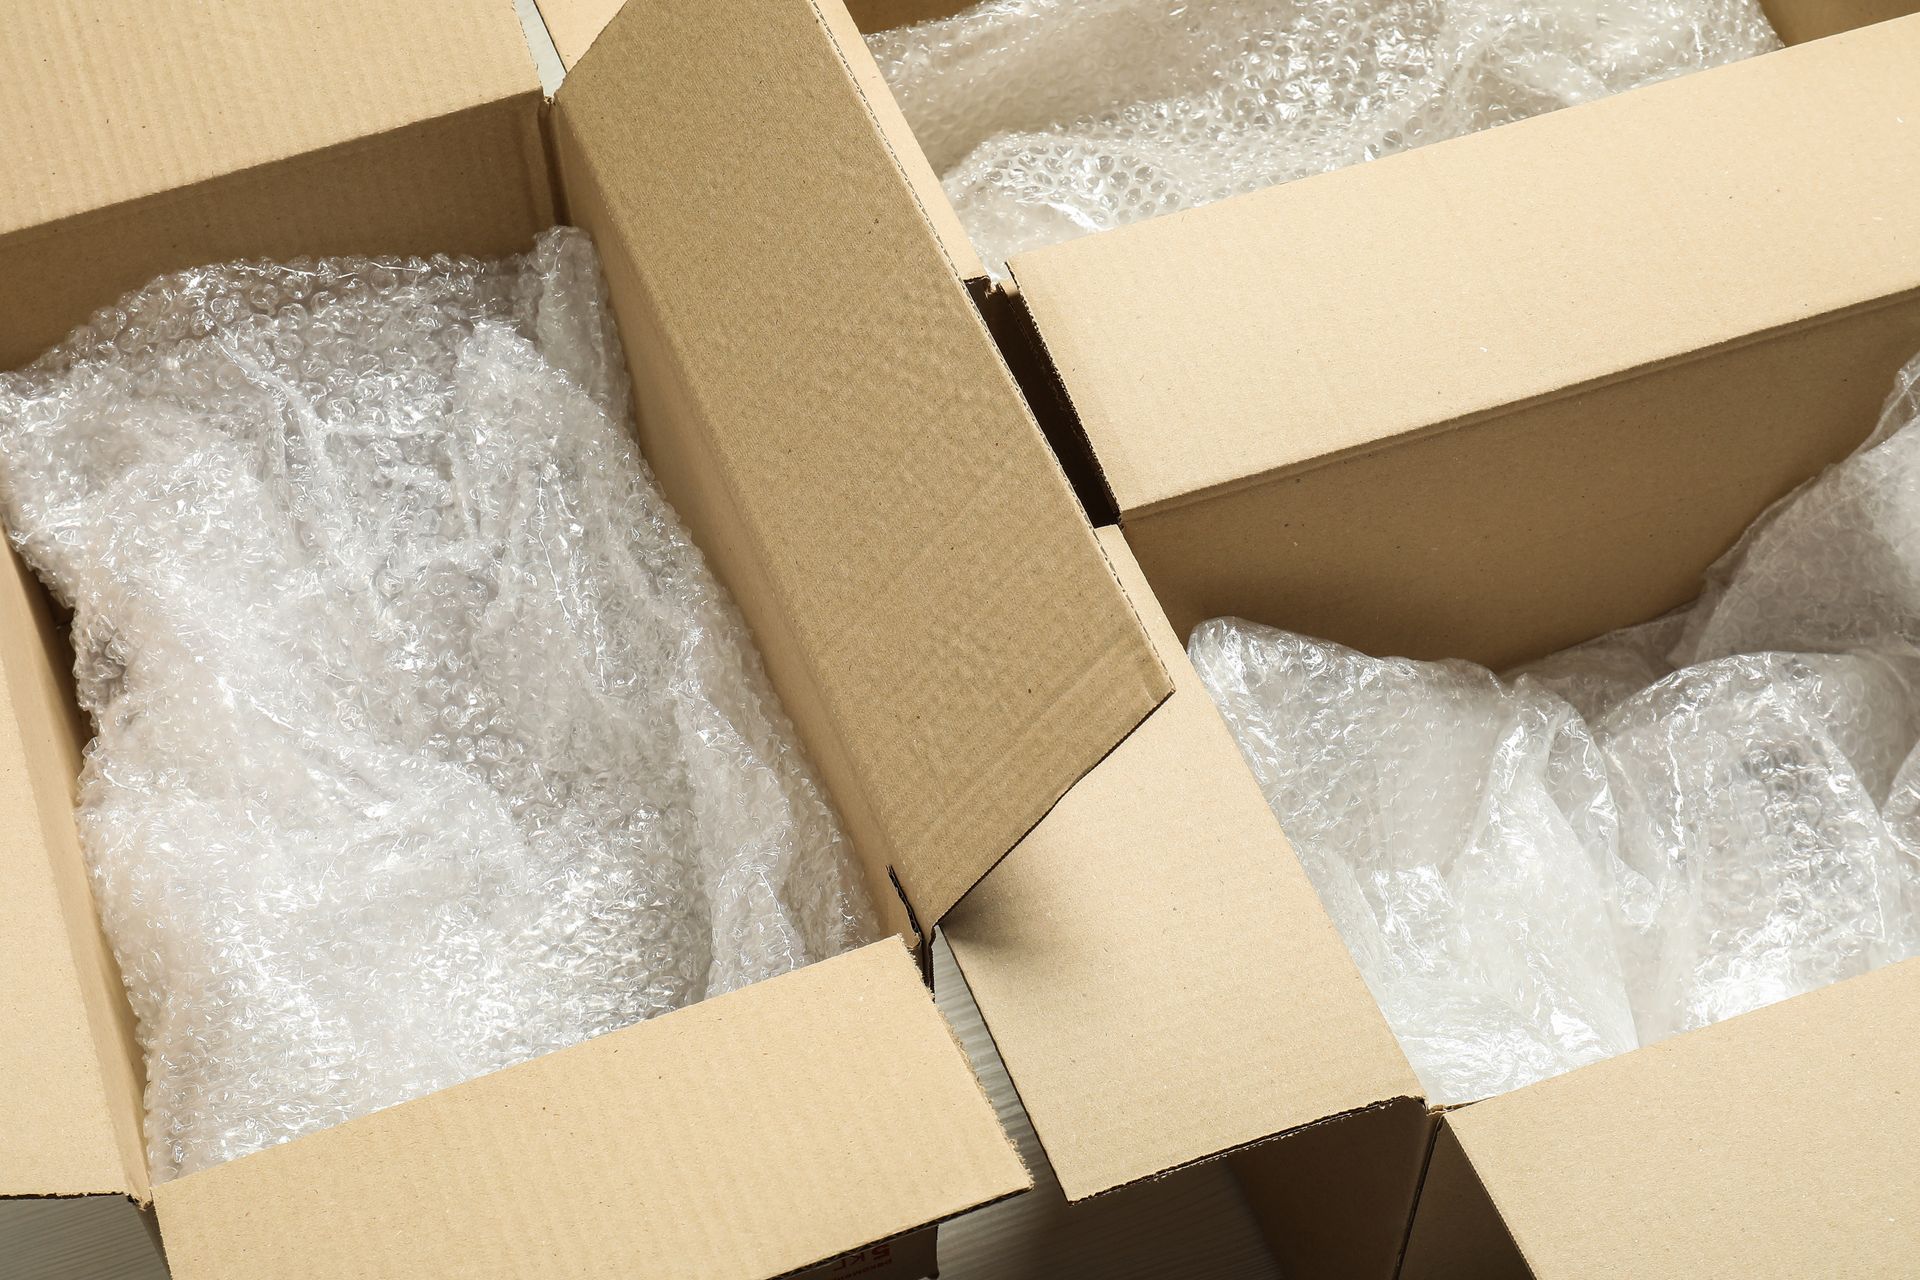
point(1647, 833)
point(1048, 119)
point(425, 740)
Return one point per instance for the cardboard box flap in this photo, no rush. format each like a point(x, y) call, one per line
point(1781, 1144)
point(824, 406)
point(1158, 974)
point(827, 1109)
point(573, 25)
point(121, 101)
point(69, 1077)
point(1320, 318)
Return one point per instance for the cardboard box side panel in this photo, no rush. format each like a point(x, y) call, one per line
point(953, 645)
point(1430, 288)
point(1779, 1144)
point(1520, 535)
point(828, 1109)
point(1161, 980)
point(109, 103)
point(1457, 1233)
point(70, 1081)
point(1798, 21)
point(1334, 1199)
point(474, 182)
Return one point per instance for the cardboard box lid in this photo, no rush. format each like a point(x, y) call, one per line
point(824, 405)
point(747, 1136)
point(1157, 971)
point(1781, 1144)
point(1308, 321)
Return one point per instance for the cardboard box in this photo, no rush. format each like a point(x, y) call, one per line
point(933, 608)
point(1483, 399)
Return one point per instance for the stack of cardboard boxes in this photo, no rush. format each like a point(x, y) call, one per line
point(1482, 400)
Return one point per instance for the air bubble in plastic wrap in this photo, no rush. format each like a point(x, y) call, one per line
point(1734, 789)
point(1049, 119)
point(426, 742)
point(1460, 832)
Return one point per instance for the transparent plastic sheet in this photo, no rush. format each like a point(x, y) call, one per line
point(426, 742)
point(1048, 119)
point(1664, 827)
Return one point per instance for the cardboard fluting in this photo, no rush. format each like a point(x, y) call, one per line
point(937, 617)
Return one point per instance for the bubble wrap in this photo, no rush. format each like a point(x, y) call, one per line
point(425, 741)
point(1048, 119)
point(1664, 827)
point(1460, 832)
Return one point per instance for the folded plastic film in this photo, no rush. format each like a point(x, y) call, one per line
point(1048, 119)
point(1664, 827)
point(425, 740)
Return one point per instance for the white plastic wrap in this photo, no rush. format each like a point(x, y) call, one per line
point(1461, 834)
point(425, 741)
point(1048, 119)
point(1686, 819)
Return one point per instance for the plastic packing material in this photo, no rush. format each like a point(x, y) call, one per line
point(1666, 826)
point(1048, 119)
point(425, 741)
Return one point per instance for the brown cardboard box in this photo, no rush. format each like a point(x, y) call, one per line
point(1483, 399)
point(933, 608)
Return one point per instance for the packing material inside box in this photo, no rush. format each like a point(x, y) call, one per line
point(425, 741)
point(1661, 828)
point(1048, 119)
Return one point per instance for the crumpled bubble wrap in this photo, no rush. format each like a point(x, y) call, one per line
point(1664, 827)
point(1460, 833)
point(1048, 119)
point(426, 742)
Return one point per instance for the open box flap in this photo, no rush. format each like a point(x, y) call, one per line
point(70, 1082)
point(826, 1109)
point(184, 118)
point(573, 25)
point(1312, 320)
point(1157, 971)
point(824, 406)
point(1781, 1144)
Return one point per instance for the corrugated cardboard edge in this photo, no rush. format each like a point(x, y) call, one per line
point(830, 1107)
point(1778, 1144)
point(1012, 660)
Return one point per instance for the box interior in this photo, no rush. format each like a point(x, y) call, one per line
point(938, 618)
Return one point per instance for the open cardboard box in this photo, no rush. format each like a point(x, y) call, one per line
point(1484, 399)
point(931, 604)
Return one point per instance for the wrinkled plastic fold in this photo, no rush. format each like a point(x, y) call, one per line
point(1644, 834)
point(425, 740)
point(1048, 119)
